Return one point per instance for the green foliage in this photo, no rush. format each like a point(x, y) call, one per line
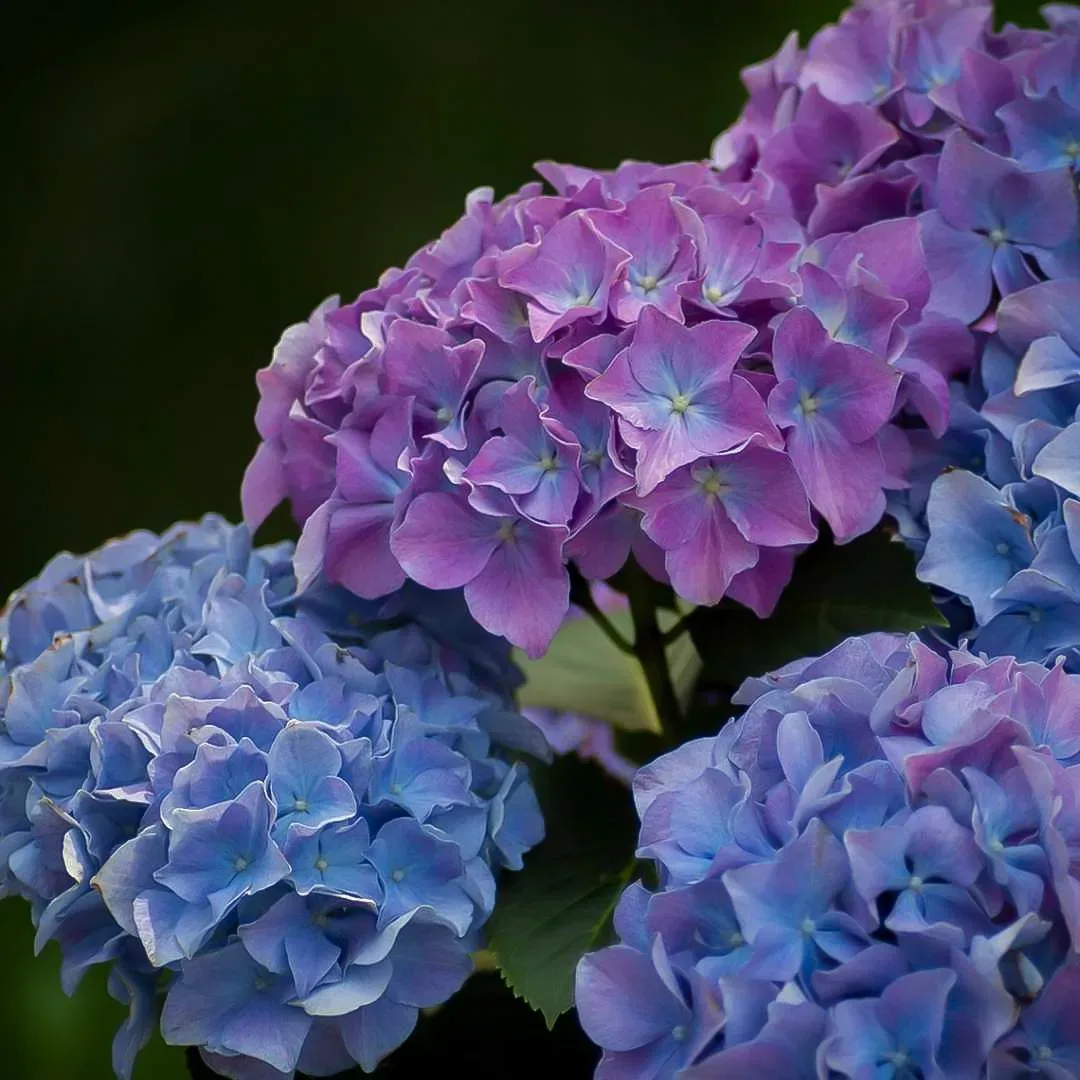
point(585, 672)
point(560, 905)
point(836, 592)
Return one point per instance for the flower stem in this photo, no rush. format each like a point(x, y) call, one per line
point(677, 631)
point(649, 641)
point(581, 596)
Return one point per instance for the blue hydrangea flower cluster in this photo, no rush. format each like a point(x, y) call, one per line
point(873, 872)
point(301, 830)
point(993, 508)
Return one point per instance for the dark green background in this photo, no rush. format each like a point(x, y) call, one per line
point(180, 181)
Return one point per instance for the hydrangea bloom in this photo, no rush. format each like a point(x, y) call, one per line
point(973, 135)
point(872, 872)
point(696, 364)
point(995, 510)
point(302, 830)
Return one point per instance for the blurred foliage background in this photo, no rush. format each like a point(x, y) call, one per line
point(180, 182)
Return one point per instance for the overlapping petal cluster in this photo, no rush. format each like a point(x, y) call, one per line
point(871, 873)
point(302, 831)
point(696, 364)
point(995, 509)
point(985, 131)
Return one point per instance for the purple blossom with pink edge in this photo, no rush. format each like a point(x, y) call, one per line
point(712, 518)
point(675, 391)
point(833, 399)
point(511, 568)
point(870, 872)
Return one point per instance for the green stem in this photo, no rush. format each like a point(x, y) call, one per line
point(675, 632)
point(610, 631)
point(581, 596)
point(649, 649)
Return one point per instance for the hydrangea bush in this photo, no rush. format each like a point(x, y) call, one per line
point(871, 873)
point(302, 831)
point(275, 789)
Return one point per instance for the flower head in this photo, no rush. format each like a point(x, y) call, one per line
point(508, 403)
point(931, 163)
point(293, 806)
point(871, 870)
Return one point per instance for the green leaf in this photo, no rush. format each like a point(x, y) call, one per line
point(559, 907)
point(836, 591)
point(586, 673)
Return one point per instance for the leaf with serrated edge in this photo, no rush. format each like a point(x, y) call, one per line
point(560, 905)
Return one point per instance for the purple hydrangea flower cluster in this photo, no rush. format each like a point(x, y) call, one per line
point(871, 873)
point(695, 364)
point(301, 831)
point(991, 126)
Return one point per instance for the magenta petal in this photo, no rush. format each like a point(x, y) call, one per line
point(619, 389)
point(360, 477)
point(892, 252)
point(263, 486)
point(523, 592)
point(358, 553)
point(842, 479)
point(666, 356)
point(660, 453)
point(703, 567)
point(602, 546)
point(852, 387)
point(723, 417)
point(506, 464)
point(442, 543)
point(760, 587)
point(553, 499)
point(311, 547)
point(675, 511)
point(959, 265)
point(764, 497)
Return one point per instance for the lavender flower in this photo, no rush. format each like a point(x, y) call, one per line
point(950, 152)
point(296, 807)
point(869, 872)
